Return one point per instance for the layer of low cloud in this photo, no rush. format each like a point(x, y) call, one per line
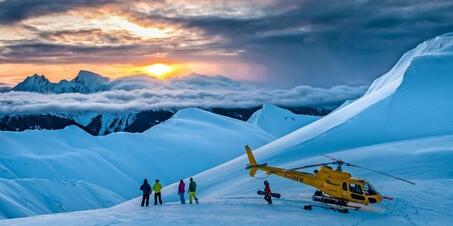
point(4, 87)
point(142, 93)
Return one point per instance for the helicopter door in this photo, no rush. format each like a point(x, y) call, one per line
point(356, 191)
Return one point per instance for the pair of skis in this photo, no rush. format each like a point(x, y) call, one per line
point(341, 209)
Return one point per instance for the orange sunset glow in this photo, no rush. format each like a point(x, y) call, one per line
point(272, 41)
point(159, 70)
point(114, 40)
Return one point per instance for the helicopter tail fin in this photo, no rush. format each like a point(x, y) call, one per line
point(252, 162)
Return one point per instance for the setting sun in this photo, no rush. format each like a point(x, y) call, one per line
point(159, 70)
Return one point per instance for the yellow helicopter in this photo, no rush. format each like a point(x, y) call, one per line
point(334, 186)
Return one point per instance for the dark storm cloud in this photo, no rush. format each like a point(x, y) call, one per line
point(29, 52)
point(12, 11)
point(96, 36)
point(325, 42)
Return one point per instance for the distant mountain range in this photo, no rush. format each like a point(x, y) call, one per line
point(84, 82)
point(105, 122)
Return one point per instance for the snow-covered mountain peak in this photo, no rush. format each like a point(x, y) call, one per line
point(440, 45)
point(270, 108)
point(88, 77)
point(279, 121)
point(84, 82)
point(34, 83)
point(36, 79)
point(198, 114)
point(189, 112)
point(89, 82)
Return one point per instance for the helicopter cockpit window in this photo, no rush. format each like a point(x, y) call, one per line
point(355, 188)
point(369, 189)
point(345, 186)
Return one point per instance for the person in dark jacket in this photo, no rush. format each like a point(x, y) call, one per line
point(146, 189)
point(268, 192)
point(181, 191)
point(192, 191)
point(157, 187)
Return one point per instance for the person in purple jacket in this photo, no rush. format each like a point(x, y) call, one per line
point(181, 190)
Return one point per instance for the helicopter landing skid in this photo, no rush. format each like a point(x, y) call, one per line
point(331, 203)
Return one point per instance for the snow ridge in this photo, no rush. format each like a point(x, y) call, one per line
point(278, 121)
point(69, 164)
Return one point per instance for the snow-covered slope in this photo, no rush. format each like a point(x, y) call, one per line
point(67, 170)
point(414, 102)
point(279, 121)
point(228, 195)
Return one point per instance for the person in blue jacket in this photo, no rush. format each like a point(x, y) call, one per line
point(146, 189)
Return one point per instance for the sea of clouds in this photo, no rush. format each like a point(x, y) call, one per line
point(137, 93)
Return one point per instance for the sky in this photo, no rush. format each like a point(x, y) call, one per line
point(279, 42)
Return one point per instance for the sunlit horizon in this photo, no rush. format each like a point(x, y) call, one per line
point(265, 41)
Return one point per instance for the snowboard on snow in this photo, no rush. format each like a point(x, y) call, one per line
point(274, 195)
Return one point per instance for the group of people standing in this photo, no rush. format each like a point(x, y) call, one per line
point(157, 187)
point(146, 189)
point(192, 191)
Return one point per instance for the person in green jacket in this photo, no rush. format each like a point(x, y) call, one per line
point(157, 187)
point(192, 191)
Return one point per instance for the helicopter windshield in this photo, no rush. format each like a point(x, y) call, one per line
point(369, 189)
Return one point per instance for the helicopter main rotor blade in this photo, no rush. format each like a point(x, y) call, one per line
point(334, 159)
point(379, 172)
point(313, 165)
